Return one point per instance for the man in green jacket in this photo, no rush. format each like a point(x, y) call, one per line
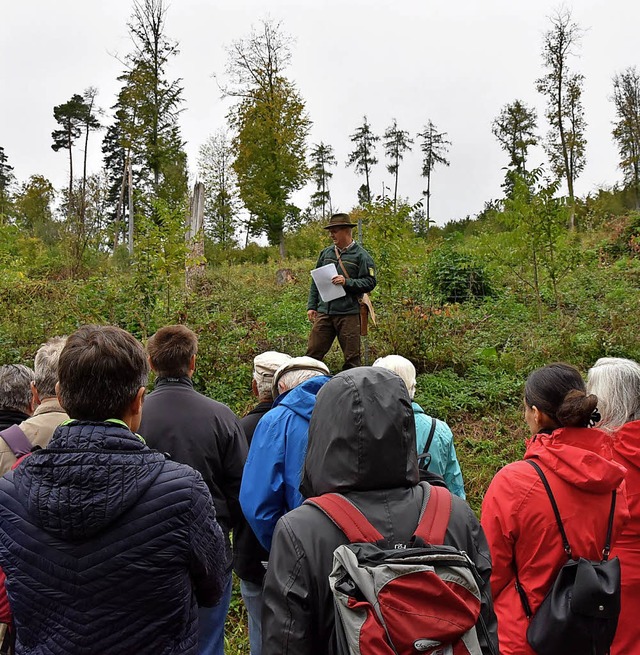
point(340, 317)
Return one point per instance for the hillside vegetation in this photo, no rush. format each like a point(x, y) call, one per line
point(476, 306)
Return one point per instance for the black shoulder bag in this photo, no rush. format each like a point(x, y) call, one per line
point(579, 614)
point(424, 459)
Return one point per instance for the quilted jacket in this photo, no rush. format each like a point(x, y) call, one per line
point(107, 546)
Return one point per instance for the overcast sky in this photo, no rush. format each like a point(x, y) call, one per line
point(454, 62)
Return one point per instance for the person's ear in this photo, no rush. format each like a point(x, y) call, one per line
point(541, 419)
point(254, 387)
point(35, 396)
point(138, 401)
point(192, 364)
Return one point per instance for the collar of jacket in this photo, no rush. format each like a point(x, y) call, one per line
point(261, 408)
point(163, 382)
point(47, 406)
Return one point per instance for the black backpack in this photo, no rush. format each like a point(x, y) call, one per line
point(424, 459)
point(579, 614)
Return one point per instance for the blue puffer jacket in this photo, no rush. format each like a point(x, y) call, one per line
point(272, 472)
point(107, 546)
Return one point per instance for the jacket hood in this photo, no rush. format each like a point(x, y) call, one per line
point(362, 435)
point(580, 456)
point(626, 441)
point(302, 399)
point(88, 476)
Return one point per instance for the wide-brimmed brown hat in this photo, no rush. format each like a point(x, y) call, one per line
point(340, 220)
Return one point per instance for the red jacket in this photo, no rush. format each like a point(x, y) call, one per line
point(626, 446)
point(521, 528)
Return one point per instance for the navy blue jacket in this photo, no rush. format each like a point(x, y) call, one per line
point(108, 547)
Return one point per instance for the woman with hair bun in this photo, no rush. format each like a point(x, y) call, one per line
point(517, 516)
point(616, 381)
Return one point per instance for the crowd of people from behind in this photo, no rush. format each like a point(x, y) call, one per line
point(123, 513)
point(115, 530)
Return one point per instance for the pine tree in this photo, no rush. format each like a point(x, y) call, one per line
point(6, 181)
point(397, 142)
point(515, 128)
point(362, 158)
point(434, 146)
point(322, 159)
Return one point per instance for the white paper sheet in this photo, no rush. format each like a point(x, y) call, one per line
point(322, 277)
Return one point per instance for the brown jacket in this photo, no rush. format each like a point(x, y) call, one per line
point(39, 429)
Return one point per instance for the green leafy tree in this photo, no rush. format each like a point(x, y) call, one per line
point(6, 181)
point(143, 150)
point(396, 143)
point(221, 205)
point(32, 208)
point(626, 132)
point(435, 147)
point(515, 129)
point(566, 142)
point(154, 100)
point(322, 159)
point(539, 252)
point(363, 158)
point(271, 128)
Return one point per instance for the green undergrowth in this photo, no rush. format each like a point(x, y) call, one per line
point(474, 322)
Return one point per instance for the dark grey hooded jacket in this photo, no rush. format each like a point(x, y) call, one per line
point(362, 444)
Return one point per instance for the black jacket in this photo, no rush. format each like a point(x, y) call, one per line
point(107, 546)
point(9, 417)
point(362, 444)
point(202, 433)
point(248, 554)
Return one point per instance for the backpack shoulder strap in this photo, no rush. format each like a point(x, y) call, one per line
point(556, 511)
point(347, 517)
point(17, 440)
point(433, 523)
point(339, 258)
point(432, 431)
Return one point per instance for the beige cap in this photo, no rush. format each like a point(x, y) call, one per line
point(266, 364)
point(298, 364)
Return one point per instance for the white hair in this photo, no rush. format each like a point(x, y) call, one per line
point(45, 366)
point(400, 366)
point(616, 383)
point(292, 379)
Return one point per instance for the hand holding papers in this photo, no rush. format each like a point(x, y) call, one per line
point(322, 277)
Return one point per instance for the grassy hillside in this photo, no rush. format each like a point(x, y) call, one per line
point(476, 306)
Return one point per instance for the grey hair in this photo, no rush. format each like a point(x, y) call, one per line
point(263, 384)
point(15, 387)
point(616, 382)
point(46, 366)
point(293, 378)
